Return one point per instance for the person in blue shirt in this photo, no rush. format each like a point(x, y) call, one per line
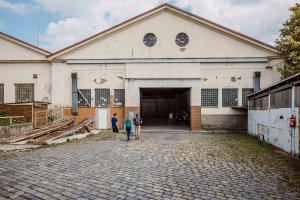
point(114, 125)
point(128, 126)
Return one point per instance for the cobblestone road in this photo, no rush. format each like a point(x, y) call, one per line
point(160, 166)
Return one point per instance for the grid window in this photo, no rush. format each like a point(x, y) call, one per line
point(24, 92)
point(1, 93)
point(281, 99)
point(209, 97)
point(229, 97)
point(245, 93)
point(102, 98)
point(84, 97)
point(119, 98)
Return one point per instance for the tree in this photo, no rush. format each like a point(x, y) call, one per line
point(288, 44)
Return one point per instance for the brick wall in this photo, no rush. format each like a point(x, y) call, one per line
point(85, 112)
point(195, 118)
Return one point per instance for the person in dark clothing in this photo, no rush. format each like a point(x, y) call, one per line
point(114, 125)
point(137, 123)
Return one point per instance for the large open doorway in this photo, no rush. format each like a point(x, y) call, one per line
point(158, 103)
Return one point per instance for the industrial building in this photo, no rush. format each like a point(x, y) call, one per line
point(161, 61)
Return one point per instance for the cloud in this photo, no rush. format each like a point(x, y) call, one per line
point(260, 19)
point(20, 8)
point(82, 19)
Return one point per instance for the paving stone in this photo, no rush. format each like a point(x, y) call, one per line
point(162, 166)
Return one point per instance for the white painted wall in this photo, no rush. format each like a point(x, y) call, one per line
point(88, 78)
point(203, 42)
point(11, 74)
point(276, 131)
point(192, 75)
point(14, 51)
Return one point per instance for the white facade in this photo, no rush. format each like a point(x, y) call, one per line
point(214, 58)
point(19, 62)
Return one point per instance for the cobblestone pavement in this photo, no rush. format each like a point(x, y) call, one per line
point(160, 166)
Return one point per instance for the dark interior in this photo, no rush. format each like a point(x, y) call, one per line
point(157, 103)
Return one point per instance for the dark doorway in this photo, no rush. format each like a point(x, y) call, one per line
point(157, 103)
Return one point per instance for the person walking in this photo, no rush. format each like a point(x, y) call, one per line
point(114, 125)
point(170, 118)
point(128, 126)
point(137, 123)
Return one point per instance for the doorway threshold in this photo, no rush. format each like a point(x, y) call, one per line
point(165, 128)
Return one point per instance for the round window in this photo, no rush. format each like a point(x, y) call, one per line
point(150, 39)
point(182, 39)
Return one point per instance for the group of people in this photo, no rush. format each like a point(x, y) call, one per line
point(180, 117)
point(128, 124)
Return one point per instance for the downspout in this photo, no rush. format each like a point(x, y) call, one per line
point(74, 94)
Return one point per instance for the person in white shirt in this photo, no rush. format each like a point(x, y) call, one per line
point(170, 118)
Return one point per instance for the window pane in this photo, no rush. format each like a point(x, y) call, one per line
point(245, 93)
point(282, 99)
point(287, 98)
point(84, 99)
point(272, 100)
point(278, 99)
point(229, 97)
point(24, 92)
point(1, 93)
point(102, 98)
point(297, 96)
point(251, 104)
point(209, 97)
point(119, 98)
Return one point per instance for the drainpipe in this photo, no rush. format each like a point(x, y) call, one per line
point(256, 81)
point(74, 94)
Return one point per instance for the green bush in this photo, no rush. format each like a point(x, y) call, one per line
point(2, 113)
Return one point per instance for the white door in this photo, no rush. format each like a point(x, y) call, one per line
point(102, 118)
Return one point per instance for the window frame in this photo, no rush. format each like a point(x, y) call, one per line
point(202, 97)
point(277, 99)
point(244, 97)
point(223, 96)
point(18, 90)
point(97, 104)
point(122, 97)
point(89, 98)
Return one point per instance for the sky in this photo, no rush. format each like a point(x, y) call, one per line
point(56, 24)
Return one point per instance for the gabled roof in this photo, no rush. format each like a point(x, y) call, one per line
point(24, 44)
point(156, 10)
